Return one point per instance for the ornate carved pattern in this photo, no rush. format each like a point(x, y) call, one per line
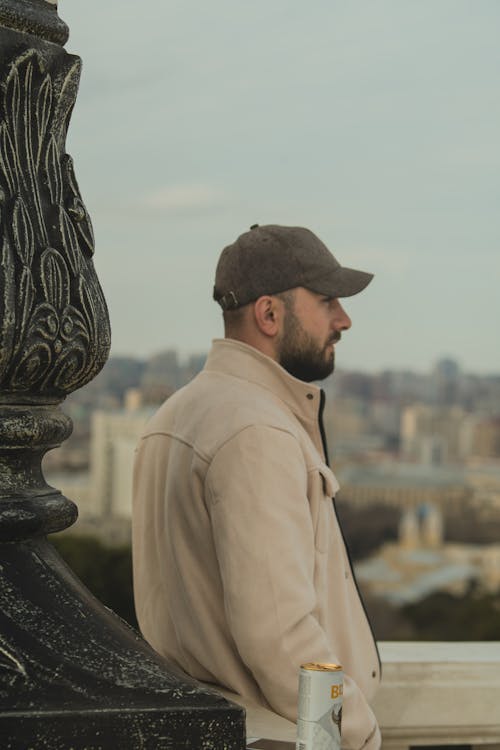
point(34, 17)
point(54, 334)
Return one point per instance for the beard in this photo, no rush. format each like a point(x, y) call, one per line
point(301, 355)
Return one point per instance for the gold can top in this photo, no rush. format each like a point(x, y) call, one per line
point(316, 666)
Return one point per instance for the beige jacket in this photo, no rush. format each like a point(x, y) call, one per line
point(240, 569)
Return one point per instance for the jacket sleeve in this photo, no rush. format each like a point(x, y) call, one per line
point(256, 490)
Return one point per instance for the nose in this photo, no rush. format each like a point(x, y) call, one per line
point(341, 320)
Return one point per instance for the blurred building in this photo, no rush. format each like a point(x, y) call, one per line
point(421, 562)
point(435, 435)
point(421, 526)
point(404, 485)
point(113, 440)
point(485, 438)
point(446, 382)
point(104, 493)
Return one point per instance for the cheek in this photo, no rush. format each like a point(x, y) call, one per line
point(326, 323)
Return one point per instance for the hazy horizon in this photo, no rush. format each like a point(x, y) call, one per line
point(183, 359)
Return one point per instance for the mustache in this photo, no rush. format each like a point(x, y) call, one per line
point(335, 337)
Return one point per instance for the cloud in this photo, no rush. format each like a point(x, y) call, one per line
point(188, 198)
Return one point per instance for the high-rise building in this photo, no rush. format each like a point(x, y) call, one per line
point(433, 435)
point(113, 440)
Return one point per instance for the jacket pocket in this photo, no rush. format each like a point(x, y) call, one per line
point(330, 484)
point(324, 486)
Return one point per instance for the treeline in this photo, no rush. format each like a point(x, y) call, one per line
point(367, 528)
point(475, 616)
point(105, 570)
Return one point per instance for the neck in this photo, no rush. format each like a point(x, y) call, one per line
point(261, 343)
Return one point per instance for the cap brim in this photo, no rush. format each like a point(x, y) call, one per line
point(343, 282)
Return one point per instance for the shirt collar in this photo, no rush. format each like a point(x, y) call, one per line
point(244, 361)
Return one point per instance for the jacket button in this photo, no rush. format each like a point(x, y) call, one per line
point(310, 396)
point(374, 674)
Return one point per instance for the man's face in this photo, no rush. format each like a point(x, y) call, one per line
point(312, 325)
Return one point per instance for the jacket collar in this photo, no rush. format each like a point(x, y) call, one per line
point(243, 361)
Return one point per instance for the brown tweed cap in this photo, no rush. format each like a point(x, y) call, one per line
point(271, 259)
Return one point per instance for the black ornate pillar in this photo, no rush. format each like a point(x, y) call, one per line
point(71, 673)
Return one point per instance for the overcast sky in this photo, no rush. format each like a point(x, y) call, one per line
point(376, 124)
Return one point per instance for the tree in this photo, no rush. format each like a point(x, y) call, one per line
point(105, 570)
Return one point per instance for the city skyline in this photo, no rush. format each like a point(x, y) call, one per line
point(184, 357)
point(375, 126)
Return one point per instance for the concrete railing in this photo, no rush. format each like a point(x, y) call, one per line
point(439, 694)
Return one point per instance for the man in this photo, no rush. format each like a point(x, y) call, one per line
point(240, 569)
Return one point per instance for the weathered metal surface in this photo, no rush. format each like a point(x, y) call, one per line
point(54, 325)
point(28, 505)
point(34, 17)
point(72, 674)
point(71, 670)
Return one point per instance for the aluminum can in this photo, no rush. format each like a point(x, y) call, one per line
point(321, 688)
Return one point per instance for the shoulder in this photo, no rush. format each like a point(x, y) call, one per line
point(260, 461)
point(215, 407)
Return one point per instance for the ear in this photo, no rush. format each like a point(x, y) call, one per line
point(268, 315)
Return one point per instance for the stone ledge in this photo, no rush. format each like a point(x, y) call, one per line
point(439, 694)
